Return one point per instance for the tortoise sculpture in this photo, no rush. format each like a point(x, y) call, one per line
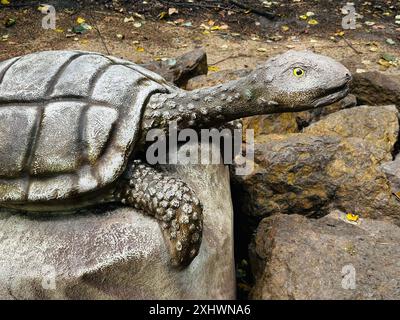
point(72, 123)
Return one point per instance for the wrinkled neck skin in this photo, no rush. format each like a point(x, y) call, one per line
point(207, 107)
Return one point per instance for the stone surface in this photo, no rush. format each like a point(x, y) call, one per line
point(305, 118)
point(182, 68)
point(373, 87)
point(310, 175)
point(378, 125)
point(117, 252)
point(392, 172)
point(298, 258)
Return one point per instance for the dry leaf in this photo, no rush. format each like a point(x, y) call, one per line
point(213, 68)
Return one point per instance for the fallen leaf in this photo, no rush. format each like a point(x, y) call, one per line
point(261, 50)
point(80, 20)
point(5, 2)
point(137, 24)
point(213, 68)
point(162, 15)
point(120, 36)
point(285, 28)
point(140, 49)
point(384, 63)
point(130, 19)
point(312, 22)
point(303, 17)
point(171, 11)
point(10, 22)
point(352, 217)
point(390, 41)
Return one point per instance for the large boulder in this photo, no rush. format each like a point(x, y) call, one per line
point(310, 174)
point(378, 125)
point(373, 87)
point(335, 163)
point(392, 172)
point(116, 252)
point(293, 257)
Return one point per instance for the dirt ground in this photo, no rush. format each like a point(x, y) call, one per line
point(235, 39)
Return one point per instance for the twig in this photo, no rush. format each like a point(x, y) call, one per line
point(267, 14)
point(351, 46)
point(98, 31)
point(232, 56)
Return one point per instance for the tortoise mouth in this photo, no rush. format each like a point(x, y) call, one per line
point(332, 95)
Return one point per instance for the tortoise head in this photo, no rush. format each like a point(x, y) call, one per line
point(298, 80)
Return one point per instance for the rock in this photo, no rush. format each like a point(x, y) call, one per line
point(305, 118)
point(298, 258)
point(271, 123)
point(181, 69)
point(376, 88)
point(215, 78)
point(373, 87)
point(378, 125)
point(117, 252)
point(392, 171)
point(311, 175)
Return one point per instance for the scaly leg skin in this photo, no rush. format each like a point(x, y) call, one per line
point(171, 202)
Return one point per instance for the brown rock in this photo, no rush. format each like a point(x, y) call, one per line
point(308, 174)
point(181, 69)
point(373, 87)
point(293, 257)
point(378, 125)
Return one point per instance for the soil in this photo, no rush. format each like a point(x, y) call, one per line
point(249, 39)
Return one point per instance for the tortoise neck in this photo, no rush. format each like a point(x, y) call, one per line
point(204, 108)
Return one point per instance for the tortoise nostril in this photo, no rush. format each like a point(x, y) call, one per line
point(348, 76)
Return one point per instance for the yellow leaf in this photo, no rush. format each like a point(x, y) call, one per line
point(5, 2)
point(303, 17)
point(80, 20)
point(384, 63)
point(285, 28)
point(339, 34)
point(261, 50)
point(140, 49)
point(162, 15)
point(214, 28)
point(352, 217)
point(206, 32)
point(59, 30)
point(312, 22)
point(213, 68)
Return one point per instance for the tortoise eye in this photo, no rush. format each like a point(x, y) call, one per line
point(298, 72)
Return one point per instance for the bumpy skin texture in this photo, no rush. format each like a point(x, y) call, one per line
point(171, 202)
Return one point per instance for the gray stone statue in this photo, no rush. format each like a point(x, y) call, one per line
point(72, 122)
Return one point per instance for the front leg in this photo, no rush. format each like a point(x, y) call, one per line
point(171, 202)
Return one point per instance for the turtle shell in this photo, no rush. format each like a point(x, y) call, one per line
point(68, 122)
